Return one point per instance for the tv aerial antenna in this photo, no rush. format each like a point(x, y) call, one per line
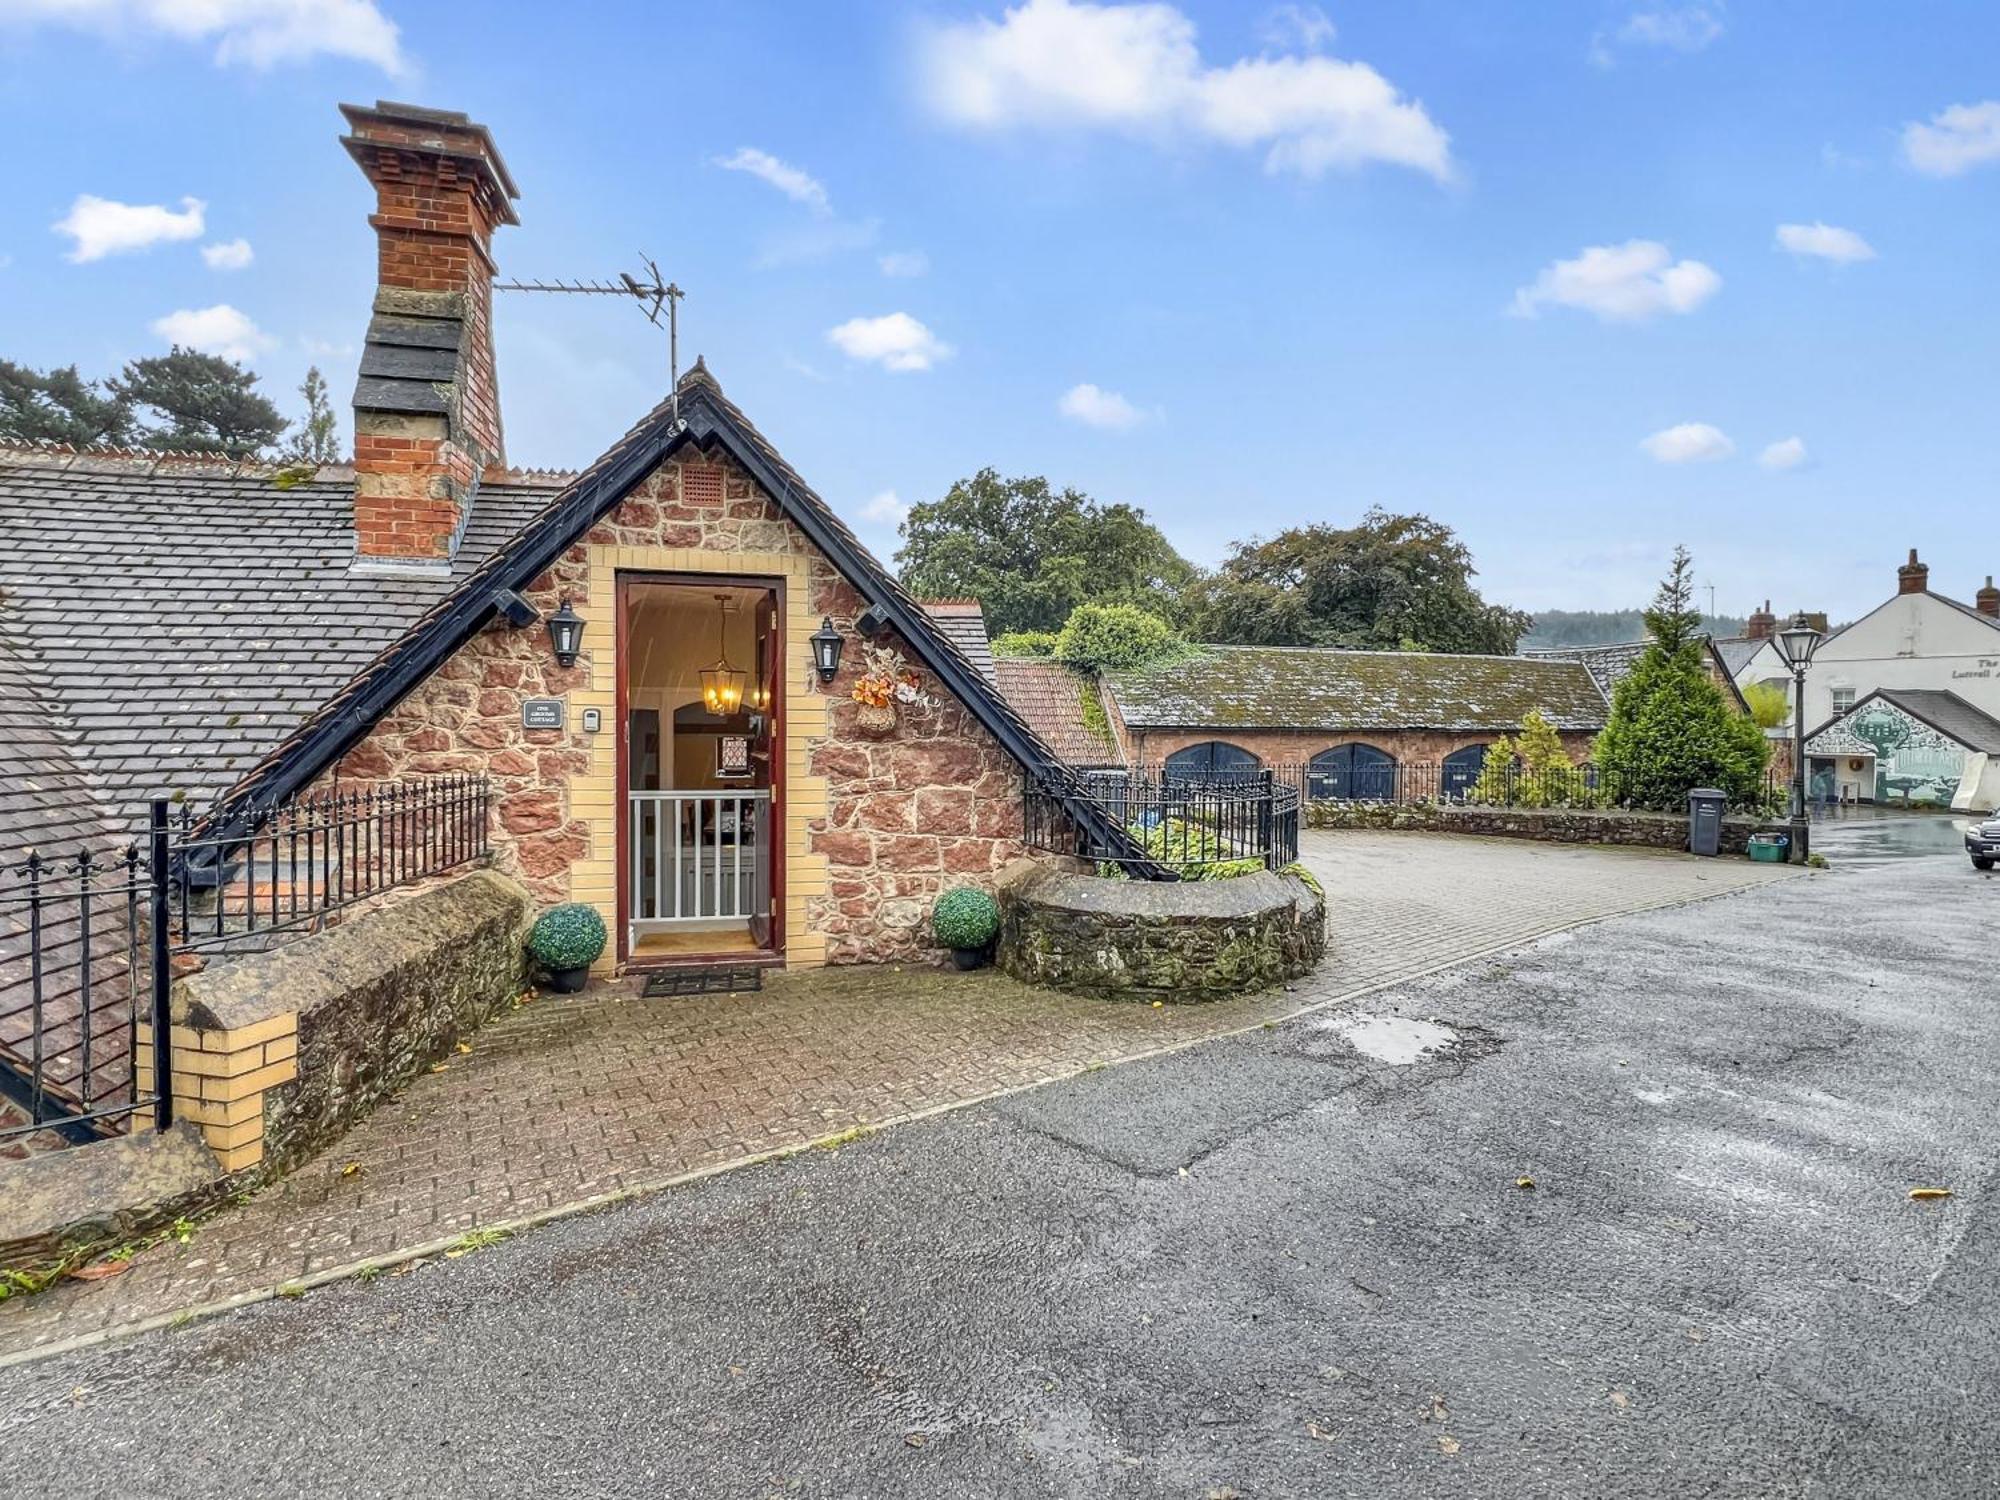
point(658, 298)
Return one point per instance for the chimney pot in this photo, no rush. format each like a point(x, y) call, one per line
point(1913, 577)
point(427, 404)
point(1987, 600)
point(1761, 625)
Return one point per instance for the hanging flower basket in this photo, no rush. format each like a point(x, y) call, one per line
point(886, 683)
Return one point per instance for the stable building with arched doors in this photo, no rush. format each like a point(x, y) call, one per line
point(1352, 725)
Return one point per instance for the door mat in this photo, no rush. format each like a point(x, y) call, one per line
point(718, 979)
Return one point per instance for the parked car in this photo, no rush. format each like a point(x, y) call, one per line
point(1982, 842)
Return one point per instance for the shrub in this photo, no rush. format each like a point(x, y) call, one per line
point(964, 918)
point(1029, 643)
point(1770, 704)
point(1116, 637)
point(1192, 850)
point(570, 936)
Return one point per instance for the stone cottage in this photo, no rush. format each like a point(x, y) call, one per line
point(694, 765)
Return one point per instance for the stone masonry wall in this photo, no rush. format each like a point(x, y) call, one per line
point(935, 805)
point(1556, 825)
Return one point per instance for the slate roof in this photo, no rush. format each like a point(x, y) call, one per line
point(1311, 687)
point(1050, 697)
point(1736, 651)
point(1612, 664)
point(965, 622)
point(185, 616)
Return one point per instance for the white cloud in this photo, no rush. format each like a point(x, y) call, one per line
point(252, 33)
point(215, 330)
point(1786, 453)
point(1136, 68)
point(1686, 28)
point(101, 227)
point(1626, 283)
point(1689, 443)
point(895, 341)
point(1956, 139)
point(797, 185)
point(1824, 241)
point(1303, 26)
point(326, 348)
point(884, 509)
point(228, 255)
point(1095, 407)
point(904, 263)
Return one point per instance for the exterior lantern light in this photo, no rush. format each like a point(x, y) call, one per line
point(722, 684)
point(826, 644)
point(1796, 644)
point(566, 634)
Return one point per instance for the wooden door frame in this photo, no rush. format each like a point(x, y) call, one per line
point(774, 587)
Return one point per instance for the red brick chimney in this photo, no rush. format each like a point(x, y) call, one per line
point(1913, 577)
point(1987, 600)
point(427, 404)
point(1761, 625)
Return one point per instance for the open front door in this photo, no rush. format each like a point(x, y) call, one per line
point(701, 763)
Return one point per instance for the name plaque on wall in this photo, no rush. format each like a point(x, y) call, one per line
point(541, 713)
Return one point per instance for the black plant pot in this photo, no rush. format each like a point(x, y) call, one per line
point(567, 981)
point(969, 958)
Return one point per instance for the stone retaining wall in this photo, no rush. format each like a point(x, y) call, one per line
point(355, 1012)
point(1179, 942)
point(1555, 825)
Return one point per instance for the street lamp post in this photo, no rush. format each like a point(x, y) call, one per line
point(1796, 644)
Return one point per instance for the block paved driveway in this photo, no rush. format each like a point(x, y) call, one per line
point(567, 1102)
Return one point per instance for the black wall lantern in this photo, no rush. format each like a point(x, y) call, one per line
point(826, 644)
point(566, 634)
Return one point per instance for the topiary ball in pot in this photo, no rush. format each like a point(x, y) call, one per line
point(965, 921)
point(566, 940)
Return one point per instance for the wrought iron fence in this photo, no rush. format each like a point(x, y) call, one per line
point(243, 879)
point(1190, 826)
point(74, 963)
point(89, 941)
point(1580, 786)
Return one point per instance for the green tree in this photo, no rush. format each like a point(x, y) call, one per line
point(1542, 774)
point(316, 440)
point(59, 406)
point(1670, 728)
point(207, 404)
point(1770, 704)
point(1393, 582)
point(1025, 643)
point(1031, 554)
point(1115, 636)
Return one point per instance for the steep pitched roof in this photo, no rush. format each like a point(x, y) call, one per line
point(965, 622)
point(704, 418)
point(1311, 687)
point(1612, 664)
point(1050, 697)
point(186, 615)
point(1946, 712)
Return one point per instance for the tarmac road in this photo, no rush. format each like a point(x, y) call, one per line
point(1285, 1264)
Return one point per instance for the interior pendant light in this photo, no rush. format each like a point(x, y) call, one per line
point(722, 684)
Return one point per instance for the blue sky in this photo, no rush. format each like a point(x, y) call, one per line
point(1523, 266)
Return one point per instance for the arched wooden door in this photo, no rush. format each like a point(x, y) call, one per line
point(1461, 770)
point(1210, 761)
point(1353, 773)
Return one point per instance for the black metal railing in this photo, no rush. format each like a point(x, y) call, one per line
point(243, 879)
point(1192, 827)
point(1580, 786)
point(74, 963)
point(90, 942)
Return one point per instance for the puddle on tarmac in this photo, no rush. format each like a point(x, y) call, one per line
point(1392, 1039)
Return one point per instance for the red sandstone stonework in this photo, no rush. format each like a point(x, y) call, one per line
point(935, 805)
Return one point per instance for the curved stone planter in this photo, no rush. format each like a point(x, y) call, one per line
point(1180, 942)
